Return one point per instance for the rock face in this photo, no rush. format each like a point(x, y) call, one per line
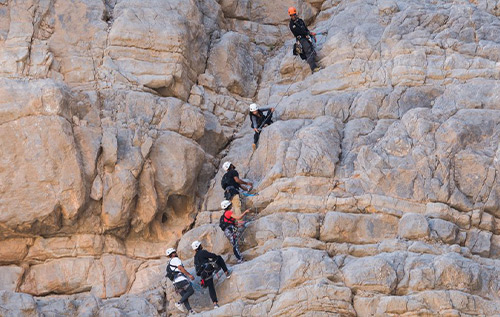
point(378, 182)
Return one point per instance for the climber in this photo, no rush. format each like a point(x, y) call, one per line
point(206, 265)
point(229, 223)
point(259, 121)
point(231, 183)
point(181, 283)
point(303, 37)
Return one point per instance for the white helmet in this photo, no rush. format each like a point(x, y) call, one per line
point(254, 107)
point(170, 251)
point(195, 245)
point(225, 203)
point(226, 165)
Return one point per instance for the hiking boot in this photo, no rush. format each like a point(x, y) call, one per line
point(240, 261)
point(192, 312)
point(317, 69)
point(228, 274)
point(216, 306)
point(180, 307)
point(254, 146)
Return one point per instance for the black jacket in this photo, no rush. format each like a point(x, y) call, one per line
point(299, 28)
point(257, 121)
point(203, 256)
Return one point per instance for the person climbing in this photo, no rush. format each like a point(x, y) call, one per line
point(181, 283)
point(229, 223)
point(231, 183)
point(204, 263)
point(259, 120)
point(303, 37)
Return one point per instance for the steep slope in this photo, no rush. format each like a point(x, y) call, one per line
point(378, 183)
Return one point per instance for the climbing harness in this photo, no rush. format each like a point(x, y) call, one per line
point(241, 229)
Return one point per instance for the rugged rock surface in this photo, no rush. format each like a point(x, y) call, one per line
point(378, 183)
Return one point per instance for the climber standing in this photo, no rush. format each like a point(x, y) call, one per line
point(181, 283)
point(207, 264)
point(303, 37)
point(229, 223)
point(231, 183)
point(259, 121)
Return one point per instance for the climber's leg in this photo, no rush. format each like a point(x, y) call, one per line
point(211, 289)
point(310, 53)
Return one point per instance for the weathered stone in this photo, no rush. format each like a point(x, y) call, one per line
point(340, 227)
point(16, 304)
point(128, 50)
point(147, 203)
point(149, 276)
point(241, 77)
point(265, 12)
point(119, 193)
point(14, 250)
point(413, 226)
point(479, 242)
point(56, 307)
point(62, 276)
point(76, 245)
point(310, 299)
point(370, 274)
point(444, 230)
point(109, 145)
point(118, 273)
point(97, 188)
point(47, 146)
point(10, 277)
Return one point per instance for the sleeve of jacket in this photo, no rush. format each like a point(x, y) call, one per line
point(210, 255)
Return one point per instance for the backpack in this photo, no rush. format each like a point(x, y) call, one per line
point(171, 274)
point(225, 181)
point(223, 224)
point(297, 50)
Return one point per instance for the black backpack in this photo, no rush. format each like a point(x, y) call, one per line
point(171, 274)
point(225, 181)
point(223, 224)
point(206, 269)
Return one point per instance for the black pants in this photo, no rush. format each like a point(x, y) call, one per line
point(262, 124)
point(220, 262)
point(185, 291)
point(309, 51)
point(211, 289)
point(210, 281)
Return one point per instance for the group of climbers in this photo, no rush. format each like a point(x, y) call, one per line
point(231, 218)
point(206, 264)
point(231, 221)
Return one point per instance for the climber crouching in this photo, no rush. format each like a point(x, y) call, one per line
point(304, 38)
point(207, 264)
point(259, 121)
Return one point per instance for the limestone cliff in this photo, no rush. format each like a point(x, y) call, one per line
point(379, 182)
